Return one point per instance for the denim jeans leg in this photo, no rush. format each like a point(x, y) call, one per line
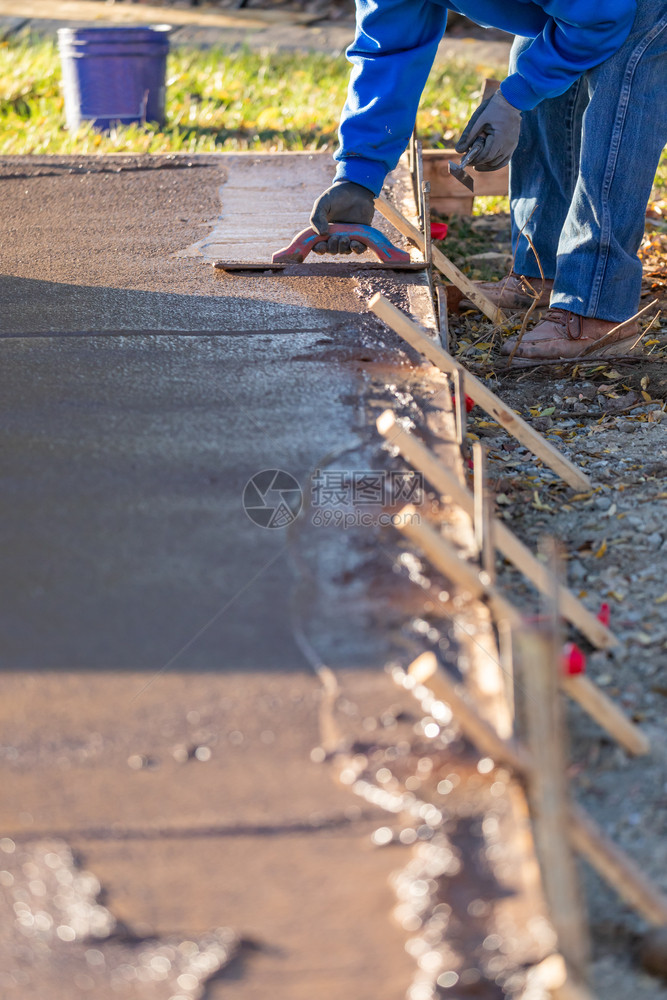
point(543, 174)
point(624, 127)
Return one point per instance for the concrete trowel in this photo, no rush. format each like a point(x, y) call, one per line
point(458, 169)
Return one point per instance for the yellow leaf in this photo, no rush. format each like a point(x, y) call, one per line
point(646, 397)
point(537, 503)
point(268, 116)
point(662, 599)
point(617, 597)
point(582, 496)
point(582, 594)
point(644, 382)
point(601, 551)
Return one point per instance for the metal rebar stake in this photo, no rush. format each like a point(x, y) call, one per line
point(459, 405)
point(443, 317)
point(426, 207)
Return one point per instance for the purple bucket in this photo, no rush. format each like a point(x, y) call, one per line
point(114, 75)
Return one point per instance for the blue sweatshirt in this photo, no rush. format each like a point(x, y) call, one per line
point(396, 42)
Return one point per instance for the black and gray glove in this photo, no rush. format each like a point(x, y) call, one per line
point(499, 123)
point(344, 201)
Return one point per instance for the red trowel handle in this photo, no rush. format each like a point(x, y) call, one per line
point(372, 238)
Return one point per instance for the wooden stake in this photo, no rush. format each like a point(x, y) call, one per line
point(479, 392)
point(548, 794)
point(445, 558)
point(552, 974)
point(606, 713)
point(443, 317)
point(459, 405)
point(483, 519)
point(425, 670)
point(611, 863)
point(446, 483)
point(442, 263)
point(426, 209)
point(617, 868)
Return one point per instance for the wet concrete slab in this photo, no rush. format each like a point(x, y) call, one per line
point(142, 390)
point(158, 712)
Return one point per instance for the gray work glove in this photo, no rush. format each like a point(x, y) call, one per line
point(499, 122)
point(344, 201)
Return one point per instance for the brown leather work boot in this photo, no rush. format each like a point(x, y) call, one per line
point(515, 292)
point(563, 334)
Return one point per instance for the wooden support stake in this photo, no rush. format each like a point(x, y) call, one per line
point(479, 392)
point(442, 263)
point(425, 670)
point(611, 863)
point(606, 713)
point(548, 794)
point(426, 203)
point(551, 974)
point(459, 405)
point(617, 868)
point(446, 559)
point(443, 317)
point(446, 483)
point(483, 518)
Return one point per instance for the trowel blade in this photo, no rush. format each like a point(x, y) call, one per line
point(457, 171)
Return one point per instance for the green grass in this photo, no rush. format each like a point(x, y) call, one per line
point(216, 100)
point(221, 100)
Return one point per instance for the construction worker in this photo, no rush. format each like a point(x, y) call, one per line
point(582, 115)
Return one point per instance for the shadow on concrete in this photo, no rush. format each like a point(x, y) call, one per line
point(126, 447)
point(35, 306)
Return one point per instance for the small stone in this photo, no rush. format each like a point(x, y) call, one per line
point(576, 570)
point(654, 540)
point(602, 503)
point(137, 761)
point(182, 753)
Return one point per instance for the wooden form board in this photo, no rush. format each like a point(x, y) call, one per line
point(442, 262)
point(447, 560)
point(480, 393)
point(446, 483)
point(538, 655)
point(586, 837)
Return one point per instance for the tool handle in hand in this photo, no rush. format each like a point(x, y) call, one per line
point(474, 149)
point(372, 238)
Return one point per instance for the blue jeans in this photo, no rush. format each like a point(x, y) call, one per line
point(584, 168)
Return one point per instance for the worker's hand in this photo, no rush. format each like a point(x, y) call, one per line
point(499, 122)
point(344, 201)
